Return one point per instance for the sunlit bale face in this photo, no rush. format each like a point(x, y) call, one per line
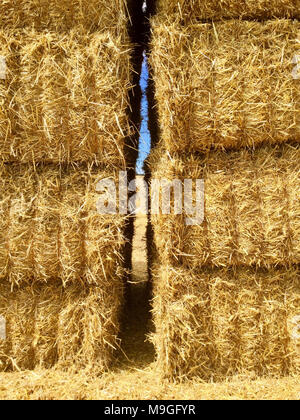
point(227, 85)
point(196, 10)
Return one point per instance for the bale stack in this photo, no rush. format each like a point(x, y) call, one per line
point(227, 291)
point(64, 126)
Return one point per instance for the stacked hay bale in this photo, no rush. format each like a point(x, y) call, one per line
point(62, 16)
point(193, 10)
point(63, 124)
point(227, 291)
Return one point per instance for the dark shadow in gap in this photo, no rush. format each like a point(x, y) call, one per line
point(136, 350)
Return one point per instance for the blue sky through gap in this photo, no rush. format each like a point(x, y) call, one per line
point(145, 139)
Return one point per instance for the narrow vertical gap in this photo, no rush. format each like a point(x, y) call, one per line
point(136, 349)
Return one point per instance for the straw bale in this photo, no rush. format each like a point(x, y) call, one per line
point(225, 85)
point(8, 87)
point(181, 334)
point(193, 10)
point(72, 226)
point(251, 208)
point(51, 228)
point(4, 223)
point(49, 301)
point(61, 15)
point(68, 100)
point(73, 328)
point(224, 307)
point(47, 224)
point(16, 351)
point(104, 238)
point(21, 225)
point(89, 327)
point(217, 323)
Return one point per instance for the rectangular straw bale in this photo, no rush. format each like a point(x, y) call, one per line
point(42, 98)
point(104, 238)
point(89, 327)
point(251, 208)
point(18, 310)
point(21, 224)
point(49, 301)
point(189, 11)
point(8, 87)
point(69, 97)
point(61, 15)
point(226, 85)
point(224, 307)
point(181, 334)
point(51, 228)
point(72, 226)
point(292, 187)
point(73, 328)
point(234, 322)
point(4, 222)
point(47, 224)
point(99, 84)
point(267, 302)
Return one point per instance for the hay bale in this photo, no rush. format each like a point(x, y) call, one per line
point(8, 87)
point(181, 334)
point(104, 237)
point(61, 16)
point(72, 227)
point(217, 323)
point(47, 224)
point(4, 223)
point(48, 304)
point(193, 10)
point(89, 327)
point(51, 228)
point(225, 85)
point(21, 224)
point(73, 328)
point(16, 351)
point(68, 100)
point(224, 319)
point(251, 209)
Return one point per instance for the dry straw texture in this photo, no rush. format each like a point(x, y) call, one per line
point(50, 227)
point(139, 385)
point(217, 323)
point(226, 85)
point(193, 10)
point(252, 210)
point(65, 97)
point(73, 328)
point(62, 15)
